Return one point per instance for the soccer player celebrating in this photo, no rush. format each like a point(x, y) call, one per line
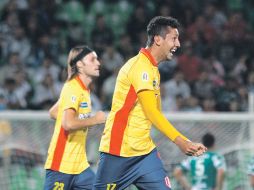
point(66, 165)
point(128, 154)
point(206, 172)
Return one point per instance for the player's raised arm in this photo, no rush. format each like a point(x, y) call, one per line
point(148, 102)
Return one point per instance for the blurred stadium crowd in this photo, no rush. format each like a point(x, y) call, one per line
point(213, 70)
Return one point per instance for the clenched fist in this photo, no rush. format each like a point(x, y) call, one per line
point(100, 117)
point(190, 148)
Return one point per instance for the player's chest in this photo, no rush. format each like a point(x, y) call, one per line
point(85, 107)
point(156, 81)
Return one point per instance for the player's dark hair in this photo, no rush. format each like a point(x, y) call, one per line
point(77, 53)
point(159, 26)
point(208, 140)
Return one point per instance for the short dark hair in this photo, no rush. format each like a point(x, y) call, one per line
point(208, 140)
point(158, 26)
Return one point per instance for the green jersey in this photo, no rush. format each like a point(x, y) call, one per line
point(203, 170)
point(251, 167)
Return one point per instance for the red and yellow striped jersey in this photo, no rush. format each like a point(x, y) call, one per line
point(127, 130)
point(67, 152)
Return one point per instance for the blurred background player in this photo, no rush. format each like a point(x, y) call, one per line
point(251, 172)
point(128, 153)
point(206, 172)
point(66, 165)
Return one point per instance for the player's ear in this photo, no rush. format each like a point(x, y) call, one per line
point(157, 40)
point(79, 63)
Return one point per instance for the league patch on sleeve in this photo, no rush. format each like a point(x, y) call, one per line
point(145, 76)
point(73, 99)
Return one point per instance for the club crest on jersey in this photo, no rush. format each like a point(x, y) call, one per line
point(145, 76)
point(155, 84)
point(83, 105)
point(73, 98)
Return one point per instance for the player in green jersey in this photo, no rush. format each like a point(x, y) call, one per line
point(206, 172)
point(251, 172)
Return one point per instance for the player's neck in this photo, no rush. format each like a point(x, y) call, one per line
point(86, 80)
point(155, 52)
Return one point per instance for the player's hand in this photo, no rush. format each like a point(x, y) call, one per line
point(100, 117)
point(200, 149)
point(190, 148)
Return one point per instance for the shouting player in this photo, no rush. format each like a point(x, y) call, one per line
point(128, 154)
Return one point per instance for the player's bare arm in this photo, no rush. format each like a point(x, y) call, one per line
point(220, 178)
point(252, 180)
point(71, 122)
point(54, 110)
point(182, 179)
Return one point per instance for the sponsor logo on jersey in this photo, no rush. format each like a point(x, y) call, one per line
point(84, 115)
point(83, 105)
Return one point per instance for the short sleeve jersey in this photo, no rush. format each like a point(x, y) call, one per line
point(67, 152)
point(250, 169)
point(127, 130)
point(203, 169)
